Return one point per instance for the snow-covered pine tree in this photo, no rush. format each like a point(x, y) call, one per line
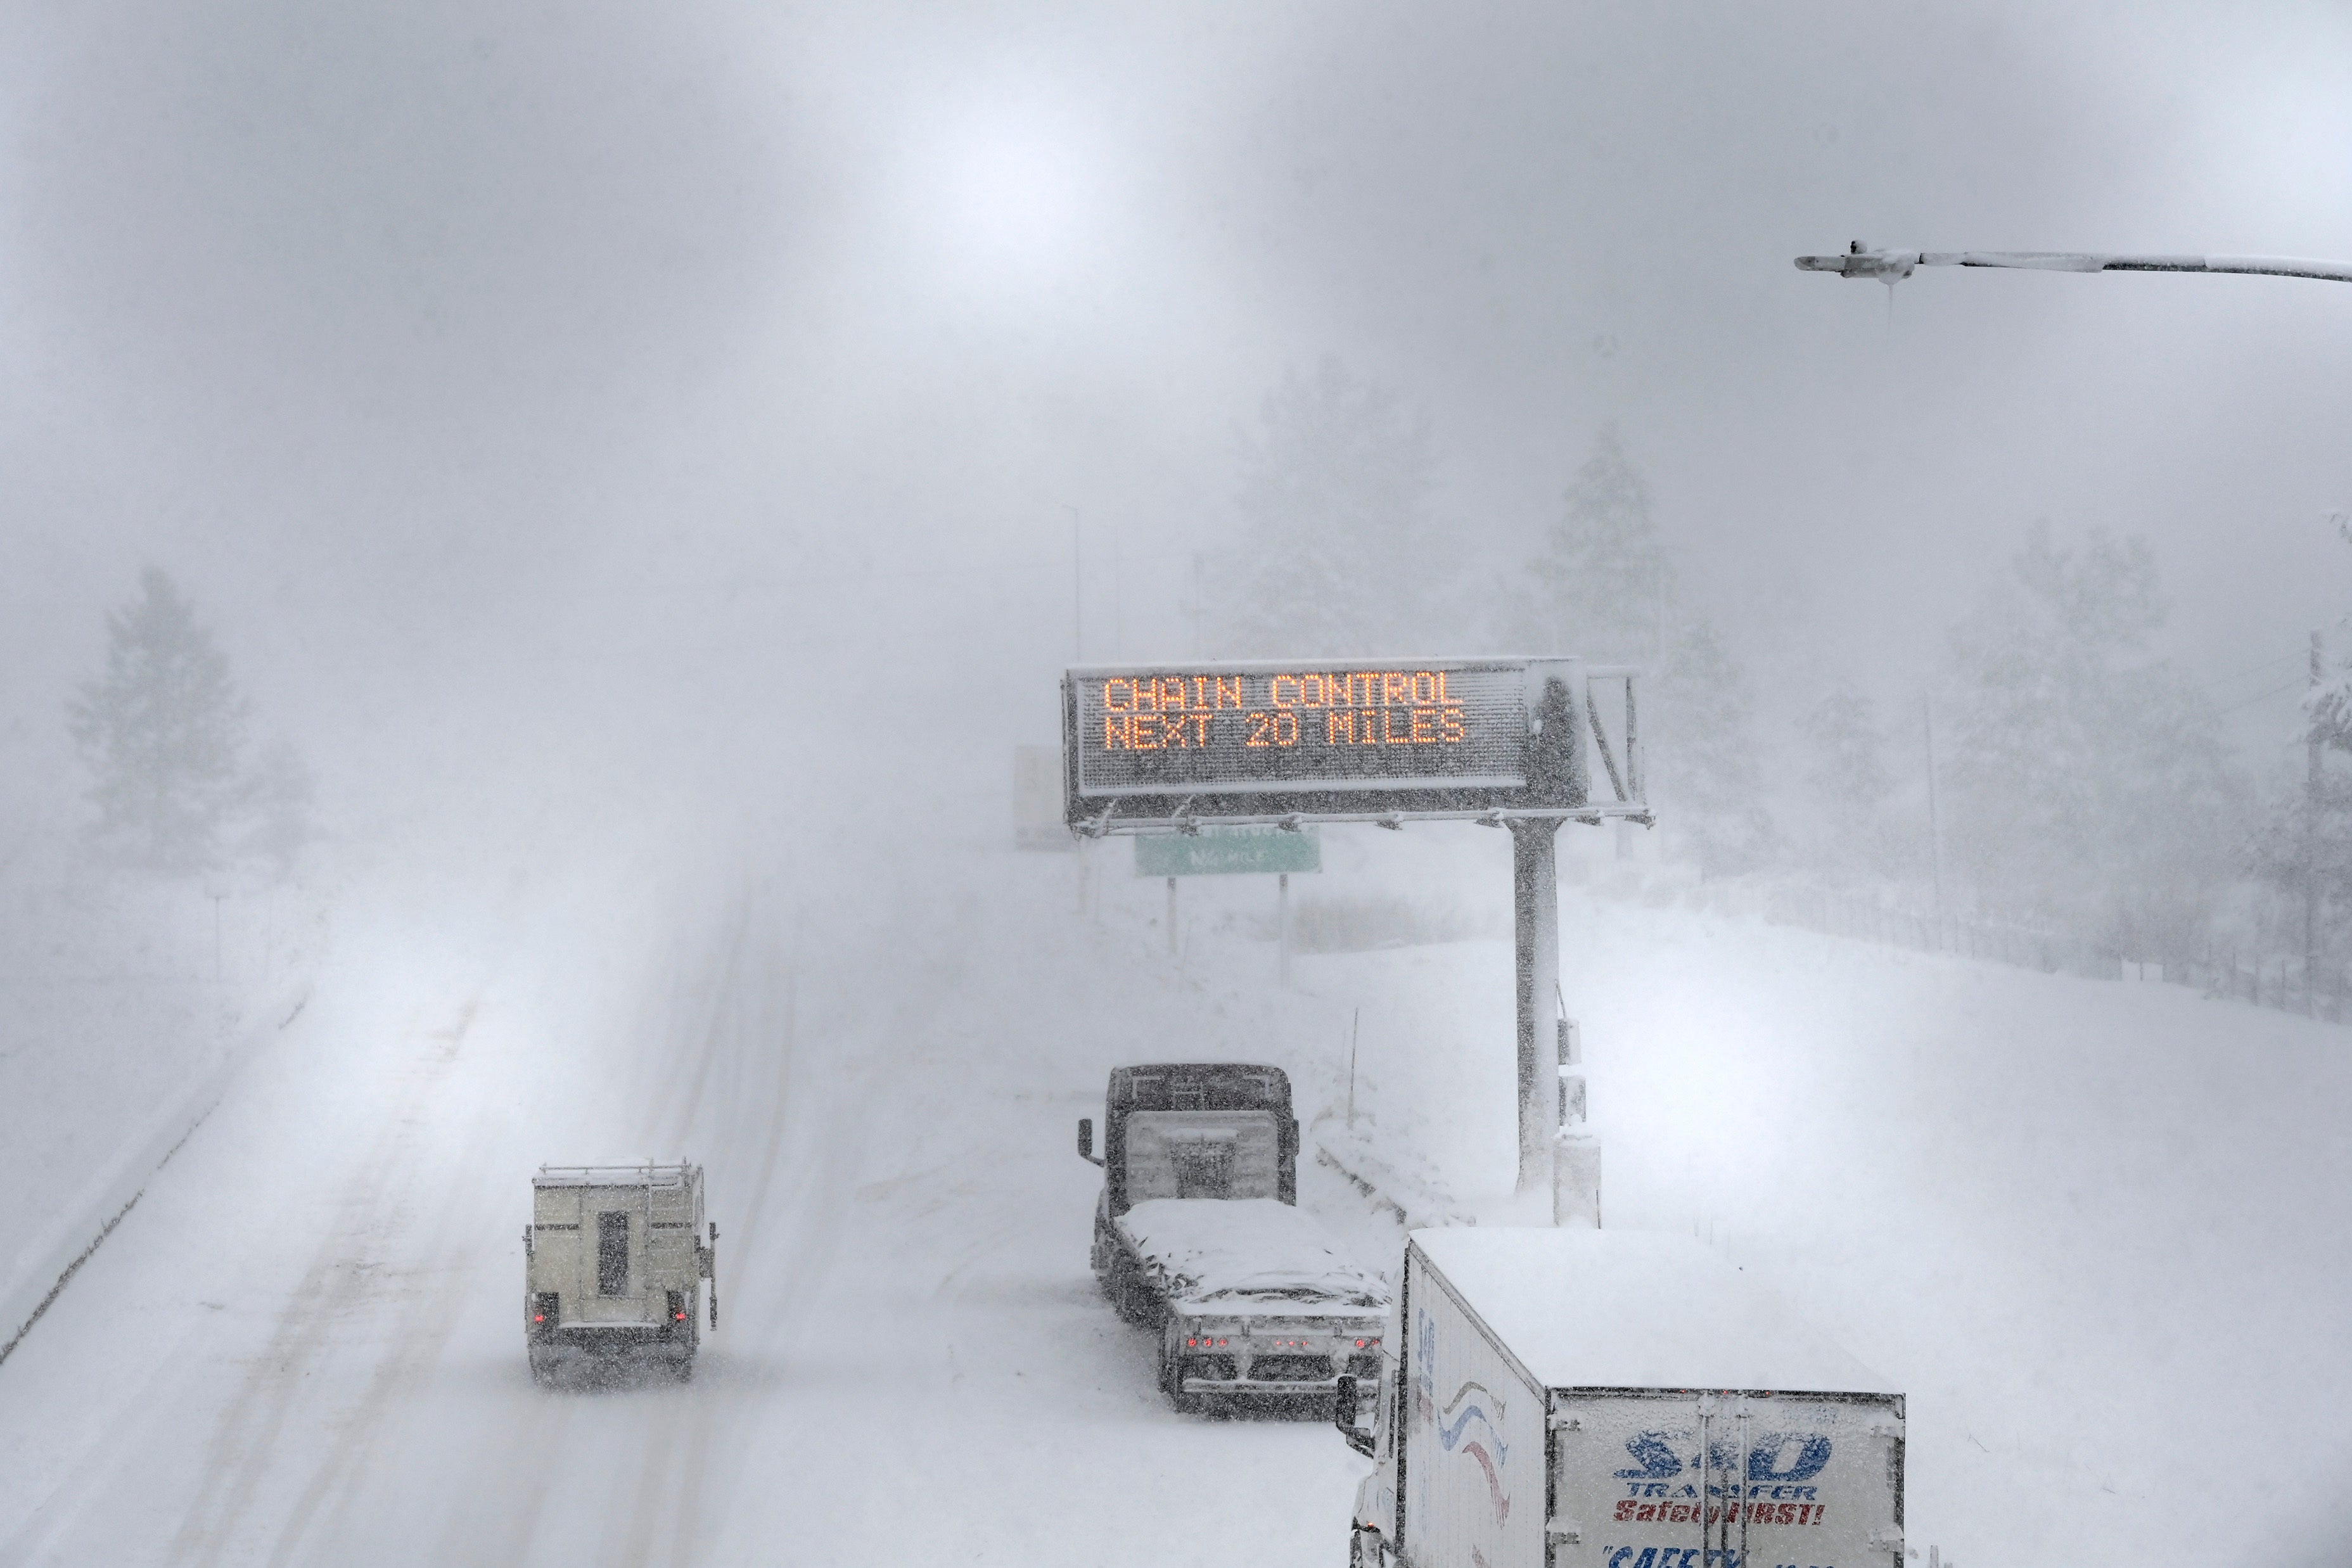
point(1848, 782)
point(1601, 586)
point(1705, 761)
point(1340, 556)
point(1601, 583)
point(2304, 842)
point(161, 732)
point(2089, 782)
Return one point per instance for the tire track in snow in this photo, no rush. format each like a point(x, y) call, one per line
point(427, 1320)
point(338, 1282)
point(789, 1247)
point(755, 1024)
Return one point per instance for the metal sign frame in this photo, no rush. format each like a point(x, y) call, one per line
point(1550, 782)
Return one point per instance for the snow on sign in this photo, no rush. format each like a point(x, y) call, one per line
point(1354, 739)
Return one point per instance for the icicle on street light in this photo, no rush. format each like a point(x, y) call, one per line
point(1891, 266)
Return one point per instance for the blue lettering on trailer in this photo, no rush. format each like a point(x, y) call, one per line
point(1656, 1459)
point(1813, 1455)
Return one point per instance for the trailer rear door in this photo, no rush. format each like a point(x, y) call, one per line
point(1671, 1477)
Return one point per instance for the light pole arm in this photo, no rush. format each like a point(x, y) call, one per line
point(1891, 266)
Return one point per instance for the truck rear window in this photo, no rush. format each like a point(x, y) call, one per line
point(613, 1254)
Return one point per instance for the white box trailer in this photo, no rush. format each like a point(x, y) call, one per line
point(1615, 1399)
point(614, 1260)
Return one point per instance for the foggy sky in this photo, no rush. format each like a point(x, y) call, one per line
point(493, 375)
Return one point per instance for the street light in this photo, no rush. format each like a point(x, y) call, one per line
point(1891, 266)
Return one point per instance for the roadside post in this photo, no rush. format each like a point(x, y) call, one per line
point(1282, 926)
point(1167, 753)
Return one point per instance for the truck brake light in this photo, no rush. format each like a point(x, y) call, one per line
point(538, 1317)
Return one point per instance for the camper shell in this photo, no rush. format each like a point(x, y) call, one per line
point(614, 1260)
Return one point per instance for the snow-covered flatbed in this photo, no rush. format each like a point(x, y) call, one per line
point(1245, 1255)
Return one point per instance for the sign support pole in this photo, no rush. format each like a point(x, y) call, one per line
point(1282, 922)
point(1535, 928)
point(1171, 917)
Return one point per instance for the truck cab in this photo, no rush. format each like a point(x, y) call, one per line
point(614, 1259)
point(1200, 1130)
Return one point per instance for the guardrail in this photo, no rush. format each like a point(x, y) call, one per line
point(2280, 983)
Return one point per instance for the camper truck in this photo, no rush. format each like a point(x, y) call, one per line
point(614, 1259)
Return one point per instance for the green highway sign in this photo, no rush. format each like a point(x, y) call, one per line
point(1226, 852)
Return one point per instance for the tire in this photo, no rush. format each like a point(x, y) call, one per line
point(1130, 1301)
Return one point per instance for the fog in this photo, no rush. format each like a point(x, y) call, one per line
point(632, 437)
point(404, 335)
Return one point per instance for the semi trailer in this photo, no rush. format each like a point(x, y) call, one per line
point(1580, 1398)
point(1197, 1235)
point(614, 1259)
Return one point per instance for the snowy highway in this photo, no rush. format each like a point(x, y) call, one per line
point(304, 1345)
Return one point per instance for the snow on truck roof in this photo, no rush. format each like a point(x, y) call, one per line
point(1629, 1309)
point(644, 1174)
point(1228, 1248)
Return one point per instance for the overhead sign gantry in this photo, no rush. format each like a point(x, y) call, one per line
point(1151, 749)
point(1510, 742)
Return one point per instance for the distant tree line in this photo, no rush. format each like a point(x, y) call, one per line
point(2085, 782)
point(163, 731)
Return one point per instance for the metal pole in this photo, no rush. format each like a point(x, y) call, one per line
point(1535, 921)
point(1077, 593)
point(1171, 916)
point(1199, 648)
point(1353, 1025)
point(1935, 814)
point(1282, 922)
point(2311, 834)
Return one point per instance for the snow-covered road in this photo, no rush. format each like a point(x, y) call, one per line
point(304, 1345)
point(2095, 1231)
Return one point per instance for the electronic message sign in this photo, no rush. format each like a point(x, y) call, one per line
point(1267, 741)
